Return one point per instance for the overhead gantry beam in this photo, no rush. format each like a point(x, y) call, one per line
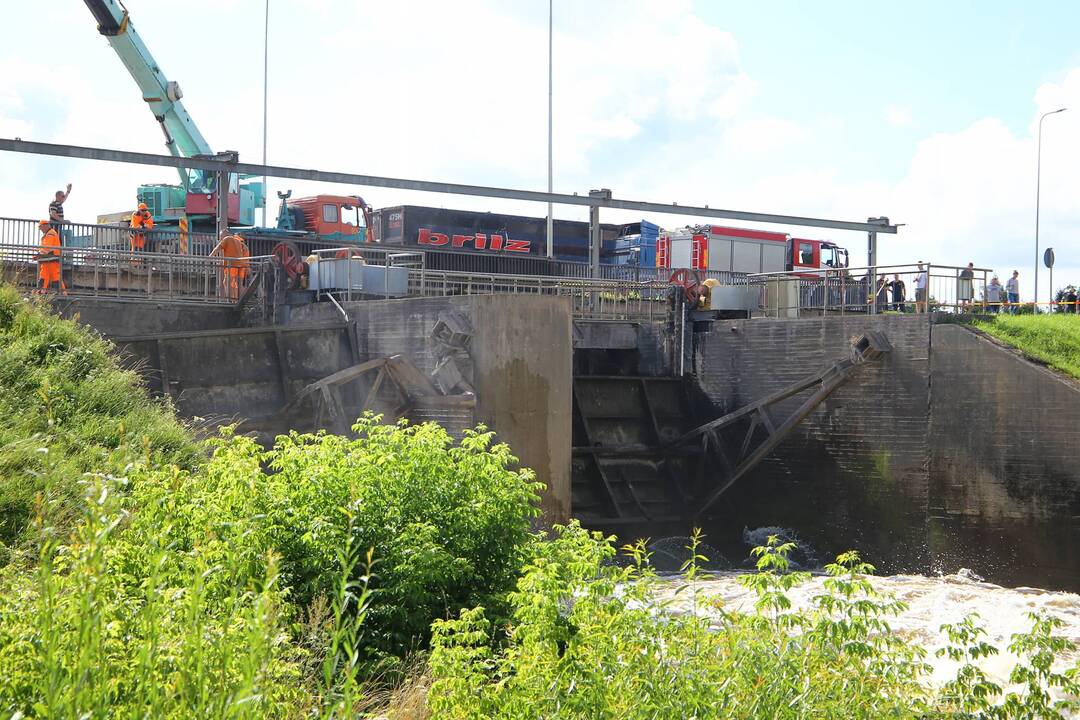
point(228, 162)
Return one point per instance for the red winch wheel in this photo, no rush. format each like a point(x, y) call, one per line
point(289, 256)
point(689, 281)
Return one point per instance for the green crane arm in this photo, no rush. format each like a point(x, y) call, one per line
point(182, 137)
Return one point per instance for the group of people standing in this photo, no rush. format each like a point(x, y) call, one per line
point(892, 294)
point(231, 247)
point(896, 290)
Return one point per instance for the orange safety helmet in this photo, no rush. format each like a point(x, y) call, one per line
point(142, 206)
point(44, 223)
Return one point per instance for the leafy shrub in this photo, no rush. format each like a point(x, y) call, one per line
point(449, 523)
point(80, 637)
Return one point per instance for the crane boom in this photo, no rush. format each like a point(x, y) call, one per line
point(182, 137)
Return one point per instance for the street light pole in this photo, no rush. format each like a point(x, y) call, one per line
point(266, 86)
point(550, 222)
point(1038, 181)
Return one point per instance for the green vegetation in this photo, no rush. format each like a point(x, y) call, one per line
point(593, 640)
point(67, 409)
point(1050, 339)
point(150, 574)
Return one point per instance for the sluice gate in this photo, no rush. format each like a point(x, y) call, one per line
point(642, 464)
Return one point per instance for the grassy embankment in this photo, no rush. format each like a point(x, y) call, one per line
point(1050, 339)
point(149, 574)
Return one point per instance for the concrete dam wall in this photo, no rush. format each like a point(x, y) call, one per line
point(952, 452)
point(517, 361)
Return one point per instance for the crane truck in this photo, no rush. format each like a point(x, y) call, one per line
point(196, 195)
point(455, 240)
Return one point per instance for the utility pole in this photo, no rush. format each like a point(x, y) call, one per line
point(1038, 180)
point(550, 221)
point(266, 68)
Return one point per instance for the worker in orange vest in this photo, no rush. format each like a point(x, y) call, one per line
point(48, 258)
point(234, 252)
point(141, 222)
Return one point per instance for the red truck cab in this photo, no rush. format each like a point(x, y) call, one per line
point(333, 217)
point(816, 255)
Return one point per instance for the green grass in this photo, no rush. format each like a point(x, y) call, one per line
point(67, 408)
point(1050, 339)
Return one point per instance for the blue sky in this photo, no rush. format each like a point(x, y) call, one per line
point(921, 111)
point(947, 64)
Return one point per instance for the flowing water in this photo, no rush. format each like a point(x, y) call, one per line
point(932, 601)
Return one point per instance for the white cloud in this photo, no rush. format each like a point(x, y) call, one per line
point(897, 116)
point(763, 135)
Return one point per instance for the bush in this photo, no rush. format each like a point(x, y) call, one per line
point(81, 637)
point(160, 576)
point(449, 523)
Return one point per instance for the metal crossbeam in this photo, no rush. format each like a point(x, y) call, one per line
point(228, 163)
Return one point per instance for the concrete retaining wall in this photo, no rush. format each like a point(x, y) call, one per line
point(955, 452)
point(518, 362)
point(1004, 474)
point(854, 474)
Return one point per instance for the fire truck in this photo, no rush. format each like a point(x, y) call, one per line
point(713, 247)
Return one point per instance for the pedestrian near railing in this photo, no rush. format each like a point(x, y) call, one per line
point(1012, 292)
point(938, 288)
point(994, 293)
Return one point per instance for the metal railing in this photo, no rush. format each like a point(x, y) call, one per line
point(15, 231)
point(362, 272)
point(895, 288)
point(98, 260)
point(589, 298)
point(145, 276)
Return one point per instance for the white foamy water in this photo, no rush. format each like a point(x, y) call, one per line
point(932, 602)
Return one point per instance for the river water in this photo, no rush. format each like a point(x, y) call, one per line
point(932, 602)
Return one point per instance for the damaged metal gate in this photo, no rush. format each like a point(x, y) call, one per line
point(639, 460)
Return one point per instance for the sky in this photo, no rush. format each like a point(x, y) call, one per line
point(924, 112)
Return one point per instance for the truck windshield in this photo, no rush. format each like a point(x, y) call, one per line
point(834, 257)
point(349, 215)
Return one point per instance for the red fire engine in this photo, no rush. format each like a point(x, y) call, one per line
point(712, 247)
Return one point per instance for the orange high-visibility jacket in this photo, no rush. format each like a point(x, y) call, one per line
point(142, 219)
point(233, 246)
point(50, 247)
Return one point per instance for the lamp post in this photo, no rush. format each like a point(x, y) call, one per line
point(550, 222)
point(1038, 179)
point(266, 85)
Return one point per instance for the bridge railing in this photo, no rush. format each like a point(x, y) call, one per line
point(910, 288)
point(126, 275)
point(595, 299)
point(20, 231)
